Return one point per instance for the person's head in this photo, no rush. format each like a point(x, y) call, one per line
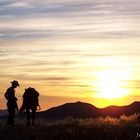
point(15, 83)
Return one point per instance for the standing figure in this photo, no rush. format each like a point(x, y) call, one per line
point(11, 102)
point(30, 103)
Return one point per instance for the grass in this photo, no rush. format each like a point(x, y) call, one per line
point(108, 128)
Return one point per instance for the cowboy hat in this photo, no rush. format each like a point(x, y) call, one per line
point(15, 82)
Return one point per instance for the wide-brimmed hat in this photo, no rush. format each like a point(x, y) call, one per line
point(15, 82)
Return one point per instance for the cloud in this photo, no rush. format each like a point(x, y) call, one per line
point(34, 20)
point(66, 7)
point(18, 5)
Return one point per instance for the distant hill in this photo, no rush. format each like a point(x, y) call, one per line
point(3, 112)
point(86, 110)
point(76, 110)
point(116, 111)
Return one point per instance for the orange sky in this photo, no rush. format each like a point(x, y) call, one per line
point(71, 50)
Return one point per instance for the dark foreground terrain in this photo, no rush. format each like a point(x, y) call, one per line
point(108, 128)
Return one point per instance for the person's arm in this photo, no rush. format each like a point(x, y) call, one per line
point(16, 106)
point(39, 107)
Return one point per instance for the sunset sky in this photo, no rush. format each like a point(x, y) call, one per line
point(71, 50)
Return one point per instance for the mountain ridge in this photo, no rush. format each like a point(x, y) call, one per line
point(86, 110)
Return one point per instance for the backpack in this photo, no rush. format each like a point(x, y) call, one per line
point(30, 98)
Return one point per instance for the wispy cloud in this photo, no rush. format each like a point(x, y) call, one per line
point(33, 19)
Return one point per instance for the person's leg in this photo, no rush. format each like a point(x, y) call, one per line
point(33, 116)
point(8, 120)
point(11, 116)
point(28, 117)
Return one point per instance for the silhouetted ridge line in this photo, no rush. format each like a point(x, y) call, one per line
point(86, 110)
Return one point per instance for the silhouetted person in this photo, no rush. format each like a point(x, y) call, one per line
point(11, 102)
point(30, 102)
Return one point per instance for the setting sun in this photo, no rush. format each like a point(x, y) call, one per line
point(109, 85)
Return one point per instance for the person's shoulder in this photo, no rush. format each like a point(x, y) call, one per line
point(10, 89)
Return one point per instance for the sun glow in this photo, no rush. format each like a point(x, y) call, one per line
point(110, 84)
